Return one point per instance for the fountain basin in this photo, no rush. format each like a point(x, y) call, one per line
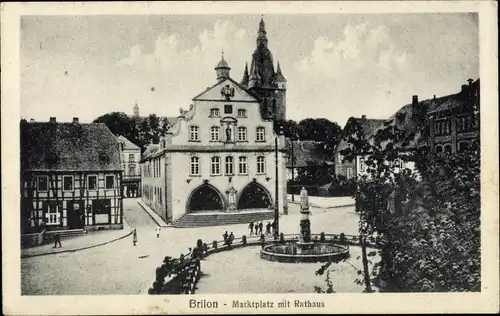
point(295, 253)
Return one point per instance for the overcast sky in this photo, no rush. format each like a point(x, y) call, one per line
point(336, 65)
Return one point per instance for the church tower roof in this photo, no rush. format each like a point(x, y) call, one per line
point(279, 76)
point(245, 79)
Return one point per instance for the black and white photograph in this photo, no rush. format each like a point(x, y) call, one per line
point(282, 156)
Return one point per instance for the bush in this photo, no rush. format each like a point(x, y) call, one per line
point(322, 237)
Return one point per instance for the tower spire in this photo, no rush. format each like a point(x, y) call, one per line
point(222, 69)
point(245, 79)
point(262, 34)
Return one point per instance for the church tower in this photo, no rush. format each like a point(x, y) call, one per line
point(268, 85)
point(136, 109)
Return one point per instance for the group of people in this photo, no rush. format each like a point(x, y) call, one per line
point(256, 228)
point(228, 239)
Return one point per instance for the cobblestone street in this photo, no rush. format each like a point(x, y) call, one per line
point(121, 268)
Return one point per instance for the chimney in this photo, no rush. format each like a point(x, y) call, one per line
point(464, 88)
point(470, 81)
point(434, 97)
point(363, 117)
point(32, 120)
point(75, 120)
point(52, 120)
point(414, 100)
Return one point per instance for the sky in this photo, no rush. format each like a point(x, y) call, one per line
point(336, 65)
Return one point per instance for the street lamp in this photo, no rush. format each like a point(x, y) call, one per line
point(276, 192)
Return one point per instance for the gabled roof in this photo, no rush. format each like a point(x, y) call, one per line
point(68, 147)
point(212, 93)
point(306, 152)
point(127, 144)
point(367, 125)
point(151, 149)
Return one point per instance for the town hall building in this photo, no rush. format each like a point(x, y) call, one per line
point(221, 155)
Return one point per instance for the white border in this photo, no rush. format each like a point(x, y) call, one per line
point(486, 301)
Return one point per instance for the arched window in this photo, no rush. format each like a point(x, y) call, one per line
point(215, 166)
point(229, 165)
point(242, 166)
point(242, 133)
point(214, 133)
point(261, 165)
point(195, 166)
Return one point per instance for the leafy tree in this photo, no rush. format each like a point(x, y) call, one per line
point(427, 222)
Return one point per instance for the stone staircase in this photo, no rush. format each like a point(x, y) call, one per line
point(222, 219)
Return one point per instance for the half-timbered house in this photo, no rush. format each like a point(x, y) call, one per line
point(70, 176)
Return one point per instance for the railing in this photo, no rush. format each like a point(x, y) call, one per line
point(180, 275)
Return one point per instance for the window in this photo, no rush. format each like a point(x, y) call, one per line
point(215, 170)
point(92, 182)
point(242, 133)
point(447, 149)
point(261, 165)
point(228, 109)
point(194, 133)
point(214, 133)
point(67, 183)
point(362, 165)
point(214, 112)
point(242, 113)
point(242, 165)
point(439, 149)
point(229, 165)
point(43, 183)
point(463, 146)
point(260, 134)
point(195, 166)
point(52, 214)
point(110, 182)
point(130, 157)
point(349, 173)
point(131, 170)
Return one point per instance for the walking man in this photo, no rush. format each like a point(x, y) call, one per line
point(251, 228)
point(134, 237)
point(268, 228)
point(261, 226)
point(57, 240)
point(225, 235)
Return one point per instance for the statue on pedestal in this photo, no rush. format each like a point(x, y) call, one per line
point(305, 223)
point(231, 198)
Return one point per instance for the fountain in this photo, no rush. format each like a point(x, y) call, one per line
point(304, 250)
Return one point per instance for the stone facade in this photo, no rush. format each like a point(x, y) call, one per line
point(221, 155)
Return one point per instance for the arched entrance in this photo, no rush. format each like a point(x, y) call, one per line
point(205, 198)
point(254, 195)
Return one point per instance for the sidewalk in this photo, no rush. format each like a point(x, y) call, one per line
point(87, 241)
point(153, 214)
point(324, 202)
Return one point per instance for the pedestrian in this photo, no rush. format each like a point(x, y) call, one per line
point(157, 230)
point(268, 228)
point(251, 228)
point(225, 235)
point(231, 237)
point(134, 237)
point(261, 225)
point(57, 240)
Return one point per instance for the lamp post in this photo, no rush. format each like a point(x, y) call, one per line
point(276, 192)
